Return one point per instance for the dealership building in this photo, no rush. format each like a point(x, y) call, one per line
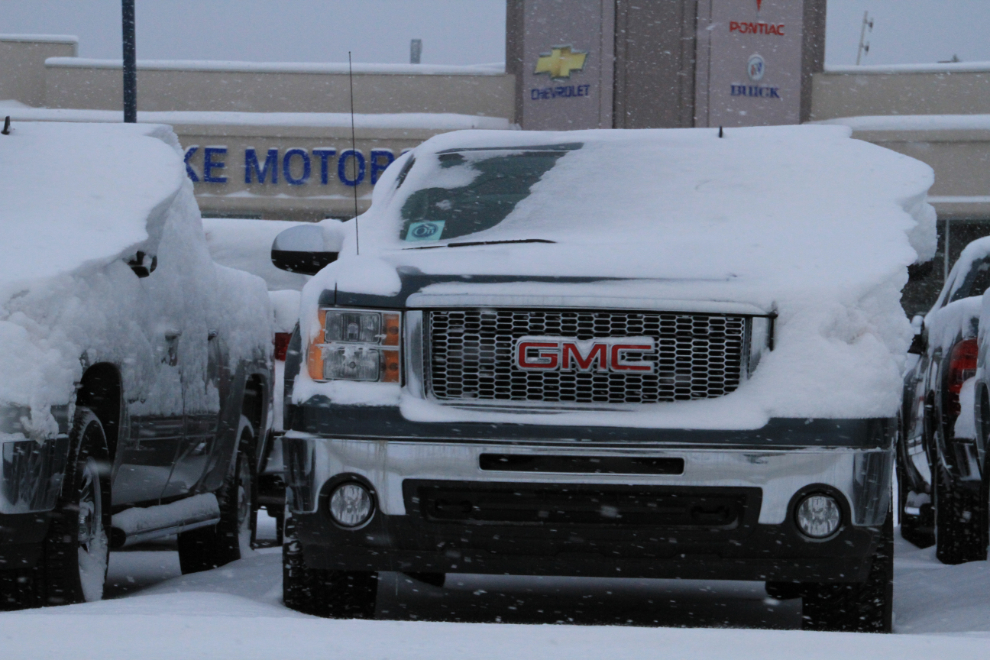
point(273, 140)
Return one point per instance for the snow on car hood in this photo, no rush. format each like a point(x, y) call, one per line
point(804, 221)
point(57, 182)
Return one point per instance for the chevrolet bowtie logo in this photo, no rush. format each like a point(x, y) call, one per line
point(560, 61)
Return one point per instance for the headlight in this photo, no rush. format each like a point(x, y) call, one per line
point(356, 345)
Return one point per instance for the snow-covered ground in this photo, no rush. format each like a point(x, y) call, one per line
point(235, 612)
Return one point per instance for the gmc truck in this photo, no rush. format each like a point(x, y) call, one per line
point(651, 353)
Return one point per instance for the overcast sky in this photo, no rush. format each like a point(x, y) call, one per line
point(453, 31)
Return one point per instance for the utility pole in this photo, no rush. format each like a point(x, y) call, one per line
point(130, 63)
point(864, 46)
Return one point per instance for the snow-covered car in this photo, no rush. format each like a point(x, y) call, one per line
point(246, 244)
point(135, 373)
point(653, 353)
point(977, 393)
point(938, 458)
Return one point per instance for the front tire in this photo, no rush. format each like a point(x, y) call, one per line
point(230, 539)
point(331, 594)
point(866, 607)
point(77, 550)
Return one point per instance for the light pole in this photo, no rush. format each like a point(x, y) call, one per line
point(130, 63)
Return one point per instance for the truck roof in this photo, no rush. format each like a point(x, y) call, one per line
point(78, 193)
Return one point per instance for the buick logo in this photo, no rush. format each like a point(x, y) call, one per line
point(622, 355)
point(756, 67)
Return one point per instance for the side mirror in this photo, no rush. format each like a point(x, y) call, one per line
point(919, 344)
point(143, 264)
point(918, 324)
point(307, 249)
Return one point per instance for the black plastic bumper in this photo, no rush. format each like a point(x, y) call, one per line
point(20, 539)
point(750, 552)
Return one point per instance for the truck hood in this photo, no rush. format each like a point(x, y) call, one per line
point(411, 288)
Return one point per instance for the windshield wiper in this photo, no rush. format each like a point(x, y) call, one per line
point(470, 243)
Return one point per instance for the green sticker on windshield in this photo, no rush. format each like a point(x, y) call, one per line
point(425, 230)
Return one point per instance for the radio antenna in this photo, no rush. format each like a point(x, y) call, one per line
point(354, 157)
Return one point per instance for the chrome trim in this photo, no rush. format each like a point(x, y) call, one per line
point(414, 353)
point(145, 523)
point(468, 300)
point(862, 476)
point(31, 473)
point(472, 356)
point(152, 534)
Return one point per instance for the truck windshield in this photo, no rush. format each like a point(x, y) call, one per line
point(494, 181)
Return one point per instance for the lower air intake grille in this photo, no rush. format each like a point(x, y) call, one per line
point(582, 504)
point(471, 356)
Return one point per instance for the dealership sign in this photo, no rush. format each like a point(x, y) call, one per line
point(317, 166)
point(749, 70)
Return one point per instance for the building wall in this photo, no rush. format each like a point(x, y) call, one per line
point(277, 197)
point(22, 64)
point(654, 63)
point(98, 84)
point(574, 97)
point(960, 158)
point(947, 89)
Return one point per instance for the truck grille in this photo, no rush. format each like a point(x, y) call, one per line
point(471, 356)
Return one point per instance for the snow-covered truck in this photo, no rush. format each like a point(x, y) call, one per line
point(654, 353)
point(135, 373)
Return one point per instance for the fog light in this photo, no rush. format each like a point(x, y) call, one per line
point(818, 516)
point(351, 505)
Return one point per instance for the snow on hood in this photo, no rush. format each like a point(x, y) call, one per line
point(801, 220)
point(57, 182)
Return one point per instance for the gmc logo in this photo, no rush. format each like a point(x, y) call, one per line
point(566, 354)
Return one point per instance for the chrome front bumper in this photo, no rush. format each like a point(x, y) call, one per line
point(861, 475)
point(30, 470)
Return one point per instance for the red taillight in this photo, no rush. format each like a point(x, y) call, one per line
point(962, 367)
point(282, 345)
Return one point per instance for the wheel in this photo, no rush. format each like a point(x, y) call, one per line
point(332, 594)
point(77, 550)
point(231, 538)
point(866, 607)
point(960, 521)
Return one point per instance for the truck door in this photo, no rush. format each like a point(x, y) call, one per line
point(203, 388)
point(155, 408)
